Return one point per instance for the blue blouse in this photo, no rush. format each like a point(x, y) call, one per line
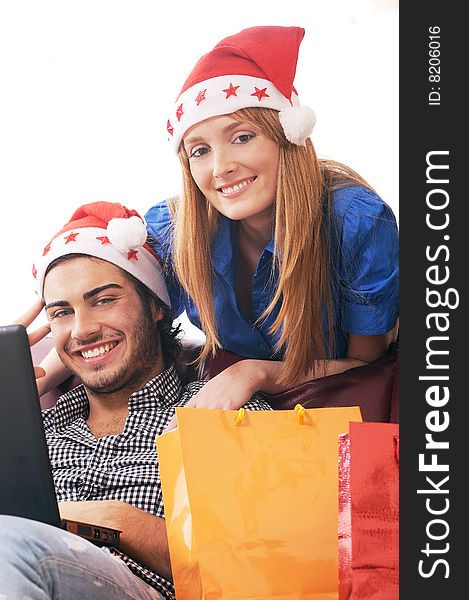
point(366, 252)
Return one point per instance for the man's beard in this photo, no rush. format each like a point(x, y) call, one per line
point(138, 369)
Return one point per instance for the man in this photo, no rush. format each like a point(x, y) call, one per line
point(106, 303)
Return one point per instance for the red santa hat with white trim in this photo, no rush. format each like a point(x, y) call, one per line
point(255, 67)
point(112, 232)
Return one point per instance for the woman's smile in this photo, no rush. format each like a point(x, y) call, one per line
point(236, 188)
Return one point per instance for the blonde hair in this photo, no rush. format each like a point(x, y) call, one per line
point(301, 249)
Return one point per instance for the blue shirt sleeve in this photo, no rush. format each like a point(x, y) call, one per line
point(369, 262)
point(160, 230)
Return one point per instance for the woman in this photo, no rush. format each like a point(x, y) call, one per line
point(282, 258)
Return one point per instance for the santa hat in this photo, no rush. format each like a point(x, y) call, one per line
point(111, 232)
point(255, 67)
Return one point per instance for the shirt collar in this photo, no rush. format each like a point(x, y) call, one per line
point(270, 245)
point(159, 393)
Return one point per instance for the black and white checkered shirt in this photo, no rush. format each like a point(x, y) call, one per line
point(118, 467)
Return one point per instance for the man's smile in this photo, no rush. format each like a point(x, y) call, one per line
point(99, 350)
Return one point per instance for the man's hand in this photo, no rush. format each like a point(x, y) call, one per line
point(106, 513)
point(143, 535)
point(26, 319)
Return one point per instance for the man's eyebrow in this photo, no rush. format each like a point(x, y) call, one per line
point(101, 288)
point(56, 303)
point(86, 295)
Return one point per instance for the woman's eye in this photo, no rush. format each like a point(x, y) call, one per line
point(243, 138)
point(198, 152)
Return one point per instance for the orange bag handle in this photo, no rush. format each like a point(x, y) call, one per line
point(299, 409)
point(301, 413)
point(239, 417)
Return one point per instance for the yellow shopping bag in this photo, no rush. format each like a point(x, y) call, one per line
point(251, 502)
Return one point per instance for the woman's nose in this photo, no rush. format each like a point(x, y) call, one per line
point(222, 163)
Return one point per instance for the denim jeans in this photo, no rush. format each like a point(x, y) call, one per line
point(40, 562)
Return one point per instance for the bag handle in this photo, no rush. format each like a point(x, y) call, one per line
point(298, 408)
point(239, 417)
point(301, 413)
point(396, 447)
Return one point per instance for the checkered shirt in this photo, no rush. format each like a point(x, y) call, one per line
point(118, 467)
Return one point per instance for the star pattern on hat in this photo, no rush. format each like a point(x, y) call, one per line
point(231, 91)
point(260, 93)
point(108, 231)
point(201, 96)
point(254, 67)
point(71, 237)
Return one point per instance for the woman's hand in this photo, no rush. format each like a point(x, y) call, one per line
point(52, 371)
point(26, 319)
point(229, 390)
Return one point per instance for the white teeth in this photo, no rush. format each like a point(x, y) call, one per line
point(98, 351)
point(236, 187)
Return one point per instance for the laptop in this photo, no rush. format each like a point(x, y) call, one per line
point(26, 481)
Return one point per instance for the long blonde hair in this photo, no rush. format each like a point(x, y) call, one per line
point(302, 250)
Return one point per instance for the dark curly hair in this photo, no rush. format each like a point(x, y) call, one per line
point(170, 342)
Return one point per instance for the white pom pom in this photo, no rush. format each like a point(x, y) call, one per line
point(126, 234)
point(297, 123)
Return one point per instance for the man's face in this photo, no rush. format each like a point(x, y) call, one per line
point(101, 330)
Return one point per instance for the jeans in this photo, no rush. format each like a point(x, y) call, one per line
point(40, 562)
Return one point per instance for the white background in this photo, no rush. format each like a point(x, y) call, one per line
point(85, 88)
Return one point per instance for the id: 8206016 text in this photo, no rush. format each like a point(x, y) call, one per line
point(434, 72)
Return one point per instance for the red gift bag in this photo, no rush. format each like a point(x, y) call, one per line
point(369, 512)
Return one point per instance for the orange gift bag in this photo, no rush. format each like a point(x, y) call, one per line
point(369, 512)
point(251, 502)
